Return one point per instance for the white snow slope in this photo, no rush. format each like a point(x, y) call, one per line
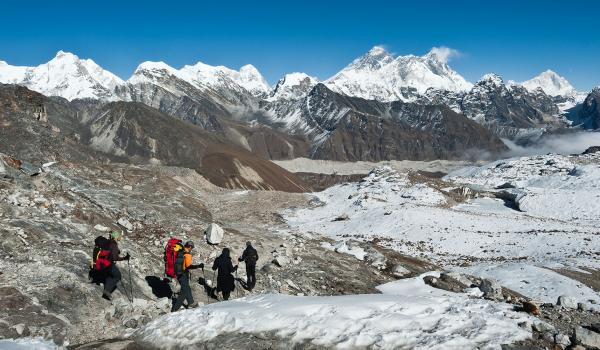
point(408, 315)
point(558, 225)
point(378, 75)
point(552, 84)
point(66, 75)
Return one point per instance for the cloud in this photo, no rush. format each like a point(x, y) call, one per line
point(444, 53)
point(572, 143)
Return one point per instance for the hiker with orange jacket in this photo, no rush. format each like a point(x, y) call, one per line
point(183, 265)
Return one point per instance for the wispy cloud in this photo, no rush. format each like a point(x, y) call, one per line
point(445, 54)
point(571, 143)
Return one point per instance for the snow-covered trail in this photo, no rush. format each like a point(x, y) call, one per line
point(556, 224)
point(408, 315)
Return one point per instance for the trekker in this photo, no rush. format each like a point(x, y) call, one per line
point(183, 265)
point(225, 281)
point(250, 257)
point(113, 274)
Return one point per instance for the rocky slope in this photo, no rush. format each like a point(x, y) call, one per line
point(587, 115)
point(128, 132)
point(349, 128)
point(241, 107)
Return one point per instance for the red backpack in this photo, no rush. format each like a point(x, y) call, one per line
point(173, 246)
point(102, 260)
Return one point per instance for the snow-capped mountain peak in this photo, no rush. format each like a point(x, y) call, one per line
point(374, 59)
point(551, 83)
point(66, 75)
point(378, 75)
point(248, 77)
point(253, 81)
point(491, 78)
point(293, 86)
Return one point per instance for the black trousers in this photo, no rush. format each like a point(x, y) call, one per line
point(185, 293)
point(250, 275)
point(113, 277)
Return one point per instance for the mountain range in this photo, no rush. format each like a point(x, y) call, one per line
point(379, 107)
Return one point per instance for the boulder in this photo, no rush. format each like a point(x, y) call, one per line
point(101, 228)
point(562, 340)
point(123, 222)
point(587, 337)
point(543, 327)
point(214, 234)
point(281, 260)
point(592, 149)
point(163, 305)
point(567, 302)
point(128, 188)
point(491, 289)
point(455, 277)
point(400, 271)
point(342, 217)
point(130, 323)
point(531, 308)
point(583, 307)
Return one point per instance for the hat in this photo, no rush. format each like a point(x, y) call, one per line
point(189, 244)
point(248, 244)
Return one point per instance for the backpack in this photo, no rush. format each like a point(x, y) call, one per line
point(172, 252)
point(101, 254)
point(252, 257)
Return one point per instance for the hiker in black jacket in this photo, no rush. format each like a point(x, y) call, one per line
point(250, 257)
point(113, 274)
point(225, 280)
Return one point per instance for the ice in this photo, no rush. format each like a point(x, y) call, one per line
point(524, 278)
point(27, 344)
point(409, 314)
point(552, 220)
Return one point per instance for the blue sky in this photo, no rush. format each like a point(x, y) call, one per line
point(516, 39)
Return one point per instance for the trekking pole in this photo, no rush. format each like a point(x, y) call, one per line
point(130, 283)
point(238, 283)
point(207, 288)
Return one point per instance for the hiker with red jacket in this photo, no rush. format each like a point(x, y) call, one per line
point(113, 274)
point(183, 265)
point(250, 257)
point(225, 280)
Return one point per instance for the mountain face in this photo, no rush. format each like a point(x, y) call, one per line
point(301, 117)
point(349, 129)
point(378, 75)
point(508, 111)
point(66, 75)
point(562, 92)
point(587, 114)
point(551, 83)
point(130, 132)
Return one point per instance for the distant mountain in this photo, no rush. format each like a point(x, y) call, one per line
point(39, 128)
point(301, 116)
point(378, 75)
point(510, 111)
point(346, 128)
point(66, 75)
point(551, 83)
point(587, 114)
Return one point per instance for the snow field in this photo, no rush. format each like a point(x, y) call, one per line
point(408, 315)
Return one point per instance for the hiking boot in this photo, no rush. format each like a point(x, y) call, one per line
point(106, 296)
point(193, 305)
